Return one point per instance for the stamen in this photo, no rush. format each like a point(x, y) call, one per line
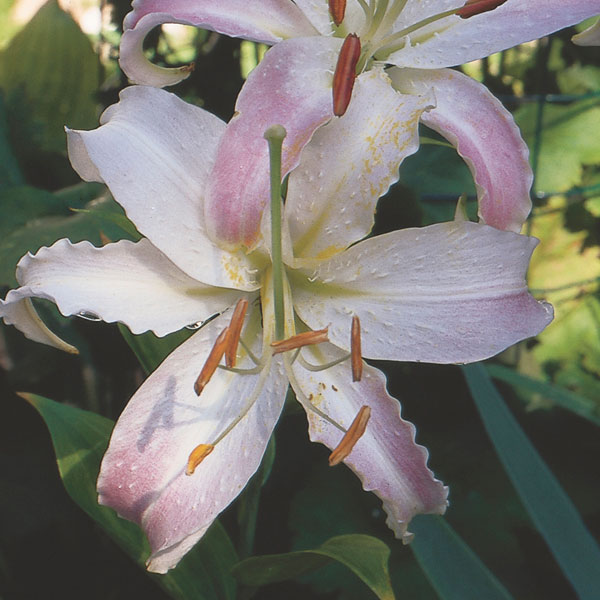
point(354, 433)
point(212, 362)
point(298, 341)
point(198, 454)
point(476, 7)
point(355, 349)
point(337, 10)
point(235, 330)
point(345, 74)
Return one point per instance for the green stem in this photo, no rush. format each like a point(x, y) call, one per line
point(275, 136)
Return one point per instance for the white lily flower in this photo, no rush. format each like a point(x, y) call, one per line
point(196, 430)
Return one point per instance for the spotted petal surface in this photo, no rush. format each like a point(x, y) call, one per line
point(447, 293)
point(386, 458)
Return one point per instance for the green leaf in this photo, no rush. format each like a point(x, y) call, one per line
point(452, 568)
point(53, 65)
point(44, 231)
point(550, 509)
point(366, 556)
point(10, 174)
point(565, 398)
point(80, 439)
point(569, 141)
point(150, 349)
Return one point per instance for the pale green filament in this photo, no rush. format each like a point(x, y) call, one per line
point(275, 136)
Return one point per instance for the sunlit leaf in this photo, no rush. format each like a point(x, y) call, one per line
point(569, 140)
point(80, 439)
point(52, 63)
point(452, 567)
point(366, 556)
point(549, 507)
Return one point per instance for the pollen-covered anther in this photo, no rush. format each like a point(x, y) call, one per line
point(198, 454)
point(354, 433)
point(307, 338)
point(337, 10)
point(235, 330)
point(355, 350)
point(212, 362)
point(476, 7)
point(345, 74)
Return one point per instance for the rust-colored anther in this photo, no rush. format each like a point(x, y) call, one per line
point(337, 10)
point(212, 362)
point(354, 433)
point(476, 7)
point(198, 454)
point(235, 330)
point(298, 341)
point(345, 74)
point(355, 350)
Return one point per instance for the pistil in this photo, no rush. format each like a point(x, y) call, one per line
point(354, 433)
point(275, 136)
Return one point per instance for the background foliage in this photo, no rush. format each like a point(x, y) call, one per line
point(316, 518)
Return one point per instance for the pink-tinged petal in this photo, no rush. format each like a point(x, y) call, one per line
point(155, 153)
point(386, 458)
point(98, 283)
point(143, 472)
point(448, 293)
point(290, 87)
point(18, 310)
point(454, 41)
point(349, 164)
point(588, 37)
point(267, 21)
point(484, 134)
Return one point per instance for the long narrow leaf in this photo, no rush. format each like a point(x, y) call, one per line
point(565, 398)
point(550, 509)
point(453, 569)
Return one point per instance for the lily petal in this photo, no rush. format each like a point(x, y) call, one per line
point(484, 134)
point(290, 87)
point(138, 153)
point(351, 162)
point(448, 293)
point(454, 41)
point(133, 283)
point(386, 458)
point(143, 472)
point(267, 21)
point(18, 310)
point(588, 37)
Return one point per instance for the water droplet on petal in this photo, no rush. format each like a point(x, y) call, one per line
point(88, 316)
